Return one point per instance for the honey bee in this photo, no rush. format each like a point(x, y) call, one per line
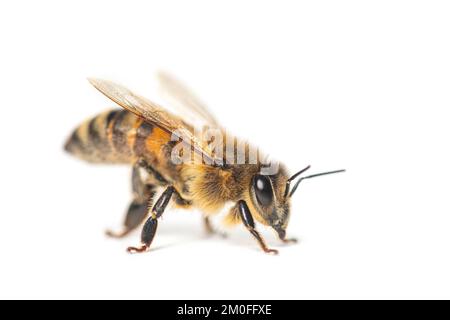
point(153, 141)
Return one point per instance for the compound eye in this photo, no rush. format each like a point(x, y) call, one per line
point(263, 190)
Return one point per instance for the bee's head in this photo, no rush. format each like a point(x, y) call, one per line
point(270, 196)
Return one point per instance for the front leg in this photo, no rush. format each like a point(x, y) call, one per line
point(282, 235)
point(289, 240)
point(150, 226)
point(247, 219)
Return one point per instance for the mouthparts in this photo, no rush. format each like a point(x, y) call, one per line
point(281, 232)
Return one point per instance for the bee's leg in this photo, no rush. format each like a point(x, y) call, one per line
point(136, 214)
point(180, 202)
point(159, 179)
point(208, 227)
point(150, 226)
point(247, 219)
point(137, 211)
point(282, 236)
point(289, 240)
point(210, 230)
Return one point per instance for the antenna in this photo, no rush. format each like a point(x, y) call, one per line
point(309, 177)
point(288, 183)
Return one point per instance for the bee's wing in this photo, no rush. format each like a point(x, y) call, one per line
point(150, 112)
point(184, 100)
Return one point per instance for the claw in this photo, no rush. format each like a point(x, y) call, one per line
point(271, 251)
point(141, 249)
point(291, 240)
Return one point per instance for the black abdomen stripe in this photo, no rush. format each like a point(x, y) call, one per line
point(74, 143)
point(142, 133)
point(119, 134)
point(95, 136)
point(110, 117)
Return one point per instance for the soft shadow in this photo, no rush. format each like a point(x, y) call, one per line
point(184, 233)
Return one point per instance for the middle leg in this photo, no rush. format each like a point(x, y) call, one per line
point(210, 230)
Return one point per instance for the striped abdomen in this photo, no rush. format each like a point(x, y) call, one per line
point(118, 136)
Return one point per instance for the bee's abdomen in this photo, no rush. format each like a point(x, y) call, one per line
point(118, 136)
point(104, 138)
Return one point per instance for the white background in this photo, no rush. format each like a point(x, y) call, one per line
point(361, 85)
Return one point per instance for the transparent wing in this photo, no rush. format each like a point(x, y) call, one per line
point(184, 100)
point(151, 112)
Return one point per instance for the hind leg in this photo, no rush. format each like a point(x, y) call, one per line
point(136, 214)
point(137, 211)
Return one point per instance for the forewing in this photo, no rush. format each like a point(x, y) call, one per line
point(150, 112)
